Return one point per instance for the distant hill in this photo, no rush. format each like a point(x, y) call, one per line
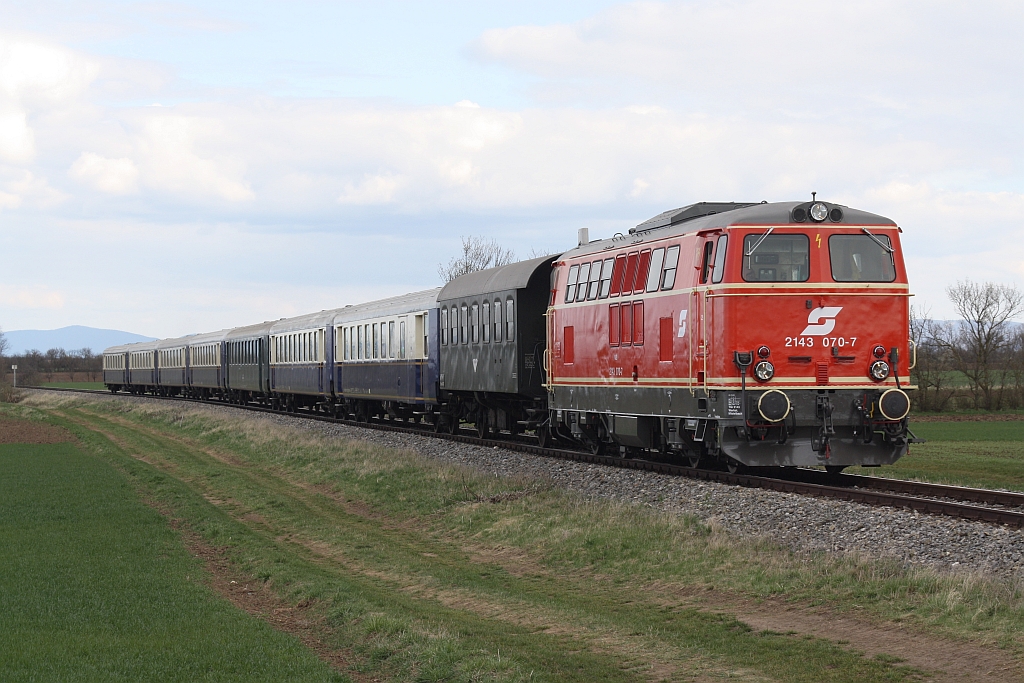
point(68, 338)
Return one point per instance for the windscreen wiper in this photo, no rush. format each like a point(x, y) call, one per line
point(877, 241)
point(758, 243)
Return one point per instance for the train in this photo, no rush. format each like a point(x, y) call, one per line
point(735, 335)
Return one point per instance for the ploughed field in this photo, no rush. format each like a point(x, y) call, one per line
point(153, 540)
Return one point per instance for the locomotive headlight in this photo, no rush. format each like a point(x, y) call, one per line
point(764, 371)
point(879, 370)
point(819, 212)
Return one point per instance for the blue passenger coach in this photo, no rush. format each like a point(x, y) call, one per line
point(386, 357)
point(248, 363)
point(206, 365)
point(142, 367)
point(115, 367)
point(171, 366)
point(301, 357)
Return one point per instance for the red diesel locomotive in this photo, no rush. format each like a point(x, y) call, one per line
point(752, 334)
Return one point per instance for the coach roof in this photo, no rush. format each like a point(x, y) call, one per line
point(500, 279)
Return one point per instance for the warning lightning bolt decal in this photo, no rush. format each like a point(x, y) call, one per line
point(817, 238)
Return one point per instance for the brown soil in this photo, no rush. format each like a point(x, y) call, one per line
point(259, 600)
point(943, 660)
point(979, 417)
point(14, 430)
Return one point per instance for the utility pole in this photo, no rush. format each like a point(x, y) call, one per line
point(15, 368)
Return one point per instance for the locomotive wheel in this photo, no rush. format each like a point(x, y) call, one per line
point(735, 466)
point(483, 430)
point(453, 424)
point(694, 460)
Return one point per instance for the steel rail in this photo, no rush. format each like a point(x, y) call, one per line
point(875, 491)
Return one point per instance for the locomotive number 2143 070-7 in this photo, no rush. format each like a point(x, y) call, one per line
point(825, 342)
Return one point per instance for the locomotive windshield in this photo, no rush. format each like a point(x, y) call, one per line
point(775, 258)
point(860, 258)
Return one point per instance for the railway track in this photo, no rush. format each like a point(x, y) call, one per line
point(983, 505)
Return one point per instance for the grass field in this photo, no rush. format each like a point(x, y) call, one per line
point(95, 586)
point(988, 454)
point(421, 571)
point(75, 385)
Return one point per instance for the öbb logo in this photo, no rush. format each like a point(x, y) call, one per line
point(821, 320)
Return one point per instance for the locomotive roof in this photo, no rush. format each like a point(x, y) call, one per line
point(500, 279)
point(711, 215)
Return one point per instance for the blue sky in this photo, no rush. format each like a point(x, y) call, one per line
point(171, 167)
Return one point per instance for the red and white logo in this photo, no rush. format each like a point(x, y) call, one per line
point(821, 320)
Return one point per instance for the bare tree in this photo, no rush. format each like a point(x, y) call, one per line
point(980, 343)
point(478, 253)
point(931, 371)
point(4, 344)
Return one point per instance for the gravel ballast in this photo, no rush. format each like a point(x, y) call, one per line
point(801, 523)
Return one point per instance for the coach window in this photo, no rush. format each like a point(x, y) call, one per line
point(474, 322)
point(485, 324)
point(705, 261)
point(775, 258)
point(344, 343)
point(570, 284)
point(668, 277)
point(376, 341)
point(510, 321)
point(444, 325)
point(391, 339)
point(464, 323)
point(861, 258)
point(654, 273)
point(581, 289)
point(359, 341)
point(497, 321)
point(368, 351)
point(606, 278)
point(719, 270)
point(401, 339)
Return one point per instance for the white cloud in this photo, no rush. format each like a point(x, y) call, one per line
point(375, 189)
point(32, 70)
point(39, 296)
point(113, 176)
point(192, 156)
point(17, 142)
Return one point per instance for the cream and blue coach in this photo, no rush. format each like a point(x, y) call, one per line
point(386, 356)
point(301, 358)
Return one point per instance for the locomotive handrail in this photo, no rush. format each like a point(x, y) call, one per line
point(913, 362)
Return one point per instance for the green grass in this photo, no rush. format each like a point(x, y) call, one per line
point(95, 586)
point(75, 385)
point(430, 572)
point(976, 454)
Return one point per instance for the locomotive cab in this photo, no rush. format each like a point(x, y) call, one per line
point(778, 337)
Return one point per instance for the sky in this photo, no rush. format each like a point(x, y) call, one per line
point(172, 167)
